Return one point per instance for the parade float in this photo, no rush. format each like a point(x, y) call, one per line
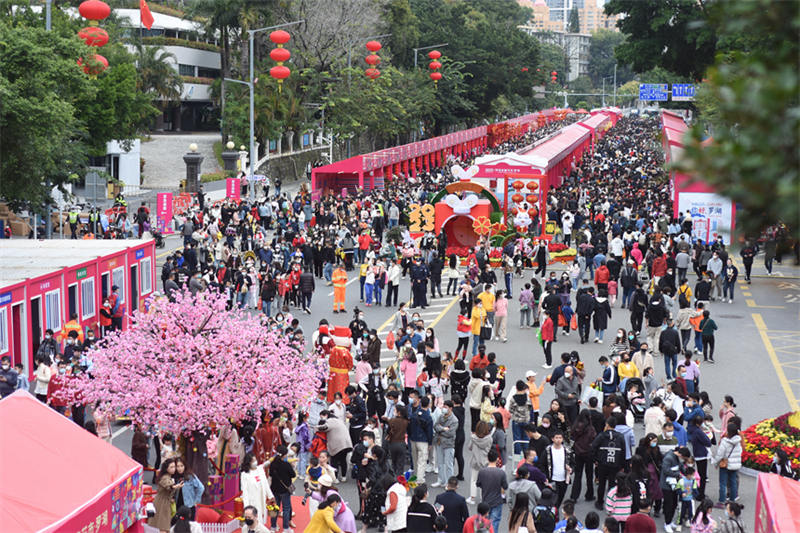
point(468, 214)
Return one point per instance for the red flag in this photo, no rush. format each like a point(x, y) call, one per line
point(147, 17)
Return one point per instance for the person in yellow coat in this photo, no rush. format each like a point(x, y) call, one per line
point(478, 321)
point(322, 520)
point(339, 287)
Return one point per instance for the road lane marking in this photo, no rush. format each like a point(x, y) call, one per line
point(773, 357)
point(346, 284)
point(443, 313)
point(752, 303)
point(119, 432)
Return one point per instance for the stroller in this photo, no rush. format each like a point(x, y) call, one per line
point(634, 397)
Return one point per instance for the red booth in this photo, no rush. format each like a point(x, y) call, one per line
point(555, 156)
point(58, 477)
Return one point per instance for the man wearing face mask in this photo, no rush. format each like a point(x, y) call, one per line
point(251, 521)
point(8, 377)
point(358, 326)
point(373, 351)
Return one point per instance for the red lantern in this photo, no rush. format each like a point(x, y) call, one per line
point(532, 185)
point(372, 73)
point(94, 10)
point(517, 198)
point(93, 36)
point(436, 76)
point(533, 212)
point(373, 46)
point(279, 37)
point(532, 198)
point(514, 211)
point(518, 185)
point(434, 65)
point(554, 73)
point(280, 55)
point(94, 66)
point(280, 73)
point(524, 69)
point(373, 60)
point(434, 54)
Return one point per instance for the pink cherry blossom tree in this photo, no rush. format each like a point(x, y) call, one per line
point(186, 365)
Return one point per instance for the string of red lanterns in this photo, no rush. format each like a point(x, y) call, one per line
point(435, 65)
point(373, 60)
point(94, 36)
point(280, 55)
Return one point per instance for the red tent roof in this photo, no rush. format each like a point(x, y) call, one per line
point(550, 152)
point(595, 121)
point(51, 467)
point(671, 120)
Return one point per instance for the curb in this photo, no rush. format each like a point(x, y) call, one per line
point(750, 472)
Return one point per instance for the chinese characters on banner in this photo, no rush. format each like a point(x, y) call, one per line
point(164, 212)
point(233, 188)
point(712, 215)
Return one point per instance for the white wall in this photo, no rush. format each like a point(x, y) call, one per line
point(196, 92)
point(128, 163)
point(193, 56)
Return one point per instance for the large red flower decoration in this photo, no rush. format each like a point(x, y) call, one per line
point(482, 225)
point(499, 227)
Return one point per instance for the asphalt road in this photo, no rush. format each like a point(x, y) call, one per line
point(757, 353)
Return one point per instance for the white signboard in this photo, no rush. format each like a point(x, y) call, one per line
point(712, 215)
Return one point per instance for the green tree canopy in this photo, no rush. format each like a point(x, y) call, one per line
point(751, 106)
point(574, 21)
point(672, 34)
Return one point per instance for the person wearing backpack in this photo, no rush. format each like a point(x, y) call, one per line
point(479, 523)
point(627, 278)
point(545, 514)
point(519, 405)
point(608, 450)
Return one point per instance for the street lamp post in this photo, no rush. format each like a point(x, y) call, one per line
point(250, 85)
point(427, 48)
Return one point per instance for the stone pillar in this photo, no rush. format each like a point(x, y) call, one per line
point(230, 156)
point(290, 140)
point(193, 161)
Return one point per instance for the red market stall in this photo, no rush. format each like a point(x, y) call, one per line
point(555, 156)
point(712, 215)
point(371, 171)
point(58, 477)
point(597, 124)
point(777, 499)
point(42, 283)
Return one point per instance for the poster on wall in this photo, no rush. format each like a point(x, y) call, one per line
point(712, 215)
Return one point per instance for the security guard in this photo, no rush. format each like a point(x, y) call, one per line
point(93, 218)
point(419, 283)
point(73, 221)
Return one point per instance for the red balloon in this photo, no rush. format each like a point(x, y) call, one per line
point(434, 54)
point(532, 185)
point(279, 72)
point(94, 67)
point(93, 36)
point(373, 60)
point(517, 198)
point(436, 76)
point(279, 37)
point(434, 65)
point(94, 10)
point(373, 46)
point(280, 54)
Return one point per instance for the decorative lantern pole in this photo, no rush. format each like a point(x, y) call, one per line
point(435, 65)
point(280, 55)
point(250, 85)
point(373, 60)
point(94, 11)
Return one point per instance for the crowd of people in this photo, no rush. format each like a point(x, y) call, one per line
point(637, 442)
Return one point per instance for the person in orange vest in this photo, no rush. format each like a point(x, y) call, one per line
point(105, 317)
point(72, 325)
point(339, 288)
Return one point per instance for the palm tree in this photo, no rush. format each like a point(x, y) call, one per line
point(157, 75)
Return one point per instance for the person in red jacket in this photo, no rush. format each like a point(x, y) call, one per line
point(481, 519)
point(364, 242)
point(601, 277)
point(57, 383)
point(548, 332)
point(659, 267)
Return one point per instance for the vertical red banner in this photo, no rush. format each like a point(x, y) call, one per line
point(233, 188)
point(164, 212)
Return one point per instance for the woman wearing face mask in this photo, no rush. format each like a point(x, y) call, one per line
point(626, 368)
point(408, 368)
point(651, 456)
point(254, 485)
point(281, 475)
point(42, 376)
point(338, 408)
point(620, 343)
point(323, 520)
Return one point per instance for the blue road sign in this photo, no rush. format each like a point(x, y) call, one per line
point(655, 92)
point(682, 92)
